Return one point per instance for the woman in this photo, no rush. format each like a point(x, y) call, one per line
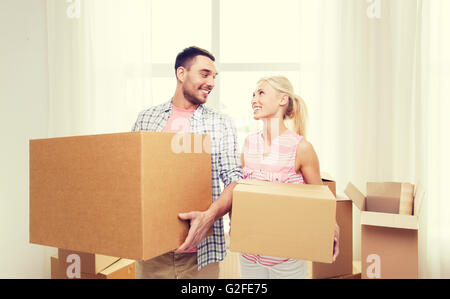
point(278, 154)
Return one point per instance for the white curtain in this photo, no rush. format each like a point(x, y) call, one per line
point(99, 65)
point(358, 82)
point(375, 77)
point(432, 133)
point(392, 100)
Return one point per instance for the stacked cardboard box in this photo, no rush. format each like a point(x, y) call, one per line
point(344, 218)
point(389, 241)
point(88, 262)
point(71, 265)
point(117, 194)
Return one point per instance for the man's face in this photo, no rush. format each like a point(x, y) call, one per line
point(198, 80)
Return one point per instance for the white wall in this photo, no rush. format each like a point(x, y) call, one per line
point(23, 116)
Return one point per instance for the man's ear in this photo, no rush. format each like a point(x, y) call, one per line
point(181, 73)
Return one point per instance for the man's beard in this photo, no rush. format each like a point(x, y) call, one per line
point(192, 98)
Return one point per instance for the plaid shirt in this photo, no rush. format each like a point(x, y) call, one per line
point(225, 163)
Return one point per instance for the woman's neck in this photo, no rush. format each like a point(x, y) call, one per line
point(272, 128)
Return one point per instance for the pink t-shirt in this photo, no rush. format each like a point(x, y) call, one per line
point(179, 121)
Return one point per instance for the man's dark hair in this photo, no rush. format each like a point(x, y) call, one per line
point(185, 57)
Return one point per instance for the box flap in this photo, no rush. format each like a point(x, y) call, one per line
point(418, 198)
point(356, 196)
point(386, 189)
point(389, 220)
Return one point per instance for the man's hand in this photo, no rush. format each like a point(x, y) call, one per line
point(200, 223)
point(336, 243)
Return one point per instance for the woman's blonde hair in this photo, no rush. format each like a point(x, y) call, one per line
point(296, 110)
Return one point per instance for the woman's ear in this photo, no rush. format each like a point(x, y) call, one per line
point(284, 99)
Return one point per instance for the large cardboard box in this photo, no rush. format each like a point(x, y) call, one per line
point(117, 194)
point(283, 220)
point(389, 242)
point(121, 269)
point(90, 262)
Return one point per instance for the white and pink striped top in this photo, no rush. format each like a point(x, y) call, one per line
point(277, 166)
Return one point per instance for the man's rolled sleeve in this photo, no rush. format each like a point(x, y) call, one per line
point(229, 160)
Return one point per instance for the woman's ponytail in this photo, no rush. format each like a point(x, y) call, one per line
point(298, 115)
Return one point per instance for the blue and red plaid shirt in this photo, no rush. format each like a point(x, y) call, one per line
point(225, 163)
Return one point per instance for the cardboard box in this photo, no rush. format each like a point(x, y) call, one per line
point(121, 269)
point(117, 194)
point(389, 242)
point(344, 218)
point(283, 220)
point(329, 181)
point(91, 263)
point(356, 274)
point(343, 264)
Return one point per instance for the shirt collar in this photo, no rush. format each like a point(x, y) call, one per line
point(197, 114)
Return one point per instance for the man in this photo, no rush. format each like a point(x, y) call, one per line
point(198, 256)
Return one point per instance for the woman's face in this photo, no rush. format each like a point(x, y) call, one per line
point(267, 102)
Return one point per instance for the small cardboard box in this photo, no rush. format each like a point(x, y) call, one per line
point(121, 269)
point(91, 263)
point(117, 194)
point(283, 220)
point(389, 242)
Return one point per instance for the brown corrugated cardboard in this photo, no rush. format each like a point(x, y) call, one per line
point(121, 269)
point(283, 220)
point(406, 199)
point(91, 263)
point(389, 243)
point(385, 197)
point(389, 253)
point(343, 263)
point(116, 194)
point(329, 181)
point(355, 274)
point(344, 217)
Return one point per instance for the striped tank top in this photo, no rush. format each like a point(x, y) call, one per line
point(277, 166)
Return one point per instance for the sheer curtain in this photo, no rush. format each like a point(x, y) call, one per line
point(99, 65)
point(432, 125)
point(393, 98)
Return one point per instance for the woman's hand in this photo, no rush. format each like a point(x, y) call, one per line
point(336, 243)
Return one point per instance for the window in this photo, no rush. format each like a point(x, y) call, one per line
point(242, 35)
